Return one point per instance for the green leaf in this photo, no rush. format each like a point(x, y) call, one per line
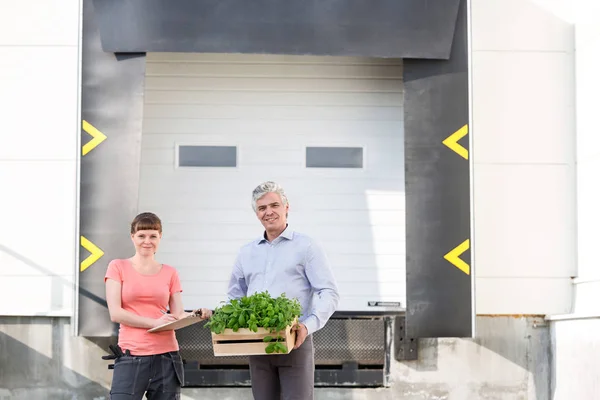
point(280, 348)
point(228, 309)
point(267, 338)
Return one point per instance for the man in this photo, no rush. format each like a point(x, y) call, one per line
point(284, 261)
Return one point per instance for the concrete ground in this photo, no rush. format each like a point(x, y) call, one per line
point(510, 359)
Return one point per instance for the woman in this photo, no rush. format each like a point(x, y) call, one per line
point(138, 292)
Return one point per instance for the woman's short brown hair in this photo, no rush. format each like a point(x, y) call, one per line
point(146, 221)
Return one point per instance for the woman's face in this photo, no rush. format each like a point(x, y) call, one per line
point(146, 242)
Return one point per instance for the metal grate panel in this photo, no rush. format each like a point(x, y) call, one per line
point(347, 340)
point(340, 341)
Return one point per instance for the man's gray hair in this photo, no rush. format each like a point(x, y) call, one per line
point(267, 187)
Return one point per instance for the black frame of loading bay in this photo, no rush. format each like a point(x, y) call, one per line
point(211, 156)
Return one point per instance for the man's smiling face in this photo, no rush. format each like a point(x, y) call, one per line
point(271, 212)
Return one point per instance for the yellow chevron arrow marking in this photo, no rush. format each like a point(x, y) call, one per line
point(452, 142)
point(97, 138)
point(95, 255)
point(453, 257)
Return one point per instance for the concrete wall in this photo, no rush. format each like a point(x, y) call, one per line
point(509, 360)
point(38, 156)
point(41, 359)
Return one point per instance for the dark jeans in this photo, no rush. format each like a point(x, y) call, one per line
point(284, 376)
point(160, 376)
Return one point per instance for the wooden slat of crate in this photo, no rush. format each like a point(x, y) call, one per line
point(252, 341)
point(241, 349)
point(244, 334)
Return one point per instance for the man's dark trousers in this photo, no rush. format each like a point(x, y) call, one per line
point(284, 376)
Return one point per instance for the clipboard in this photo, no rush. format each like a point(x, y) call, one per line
point(178, 324)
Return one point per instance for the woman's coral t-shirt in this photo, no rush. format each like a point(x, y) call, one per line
point(146, 296)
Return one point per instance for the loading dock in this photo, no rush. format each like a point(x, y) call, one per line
point(397, 99)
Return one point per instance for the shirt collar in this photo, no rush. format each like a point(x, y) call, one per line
point(288, 233)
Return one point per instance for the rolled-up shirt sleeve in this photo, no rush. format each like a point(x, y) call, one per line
point(237, 287)
point(319, 274)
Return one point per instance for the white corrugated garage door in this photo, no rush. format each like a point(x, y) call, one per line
point(234, 121)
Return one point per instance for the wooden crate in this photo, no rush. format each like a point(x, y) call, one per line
point(244, 342)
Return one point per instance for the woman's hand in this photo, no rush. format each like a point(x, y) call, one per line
point(203, 313)
point(166, 318)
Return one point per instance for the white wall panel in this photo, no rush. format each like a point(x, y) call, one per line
point(524, 107)
point(39, 102)
point(38, 156)
point(524, 156)
point(38, 295)
point(525, 221)
point(522, 25)
point(39, 23)
point(587, 59)
point(519, 295)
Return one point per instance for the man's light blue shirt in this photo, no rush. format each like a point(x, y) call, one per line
point(293, 264)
